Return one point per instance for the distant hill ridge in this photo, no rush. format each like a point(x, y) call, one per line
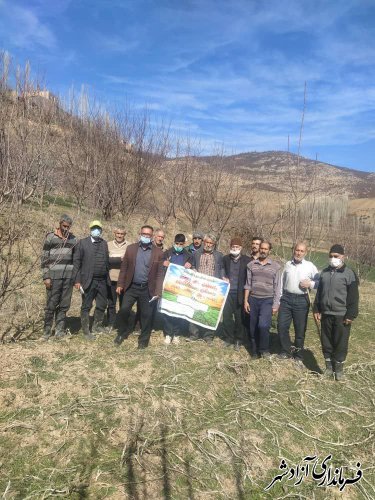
point(270, 171)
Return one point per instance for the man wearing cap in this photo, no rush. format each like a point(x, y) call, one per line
point(235, 266)
point(57, 267)
point(299, 276)
point(141, 279)
point(197, 242)
point(91, 277)
point(116, 249)
point(336, 306)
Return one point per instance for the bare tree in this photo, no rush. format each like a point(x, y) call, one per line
point(226, 192)
point(27, 141)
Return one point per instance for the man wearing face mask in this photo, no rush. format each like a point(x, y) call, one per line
point(208, 261)
point(235, 265)
point(57, 267)
point(178, 255)
point(299, 276)
point(141, 279)
point(336, 306)
point(262, 298)
point(91, 277)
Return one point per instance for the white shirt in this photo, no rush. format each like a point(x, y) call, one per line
point(294, 273)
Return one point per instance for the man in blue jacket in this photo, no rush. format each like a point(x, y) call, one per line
point(336, 306)
point(178, 255)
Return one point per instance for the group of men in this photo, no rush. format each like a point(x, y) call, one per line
point(116, 271)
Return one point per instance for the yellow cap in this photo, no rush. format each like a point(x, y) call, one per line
point(95, 223)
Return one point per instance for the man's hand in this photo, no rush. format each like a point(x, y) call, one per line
point(77, 286)
point(347, 321)
point(246, 306)
point(187, 265)
point(226, 279)
point(317, 317)
point(48, 283)
point(305, 283)
point(274, 310)
point(119, 290)
point(166, 263)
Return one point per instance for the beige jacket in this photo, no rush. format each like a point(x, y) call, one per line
point(116, 254)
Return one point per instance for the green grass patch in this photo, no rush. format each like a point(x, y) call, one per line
point(209, 317)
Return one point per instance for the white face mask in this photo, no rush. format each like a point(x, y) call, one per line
point(235, 253)
point(335, 262)
point(96, 232)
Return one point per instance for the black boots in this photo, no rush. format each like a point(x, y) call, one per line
point(335, 369)
point(85, 326)
point(60, 327)
point(47, 333)
point(98, 326)
point(328, 372)
point(339, 371)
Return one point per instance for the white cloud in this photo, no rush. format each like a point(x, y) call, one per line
point(23, 29)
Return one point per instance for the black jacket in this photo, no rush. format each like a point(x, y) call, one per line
point(83, 270)
point(244, 260)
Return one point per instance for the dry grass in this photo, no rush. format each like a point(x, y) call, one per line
point(89, 420)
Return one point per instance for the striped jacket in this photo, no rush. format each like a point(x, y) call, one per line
point(57, 256)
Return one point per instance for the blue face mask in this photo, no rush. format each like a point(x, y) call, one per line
point(145, 240)
point(96, 232)
point(178, 249)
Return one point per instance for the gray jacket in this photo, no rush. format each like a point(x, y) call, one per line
point(337, 293)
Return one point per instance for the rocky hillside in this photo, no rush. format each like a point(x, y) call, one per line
point(271, 171)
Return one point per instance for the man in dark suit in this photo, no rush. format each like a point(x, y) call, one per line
point(235, 265)
point(141, 279)
point(91, 277)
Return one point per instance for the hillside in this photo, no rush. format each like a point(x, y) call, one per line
point(270, 171)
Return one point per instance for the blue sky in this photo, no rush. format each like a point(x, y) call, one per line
point(226, 72)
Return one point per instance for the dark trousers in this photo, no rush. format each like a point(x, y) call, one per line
point(98, 290)
point(334, 337)
point(197, 332)
point(233, 320)
point(139, 294)
point(112, 301)
point(260, 324)
point(173, 326)
point(59, 297)
point(293, 307)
